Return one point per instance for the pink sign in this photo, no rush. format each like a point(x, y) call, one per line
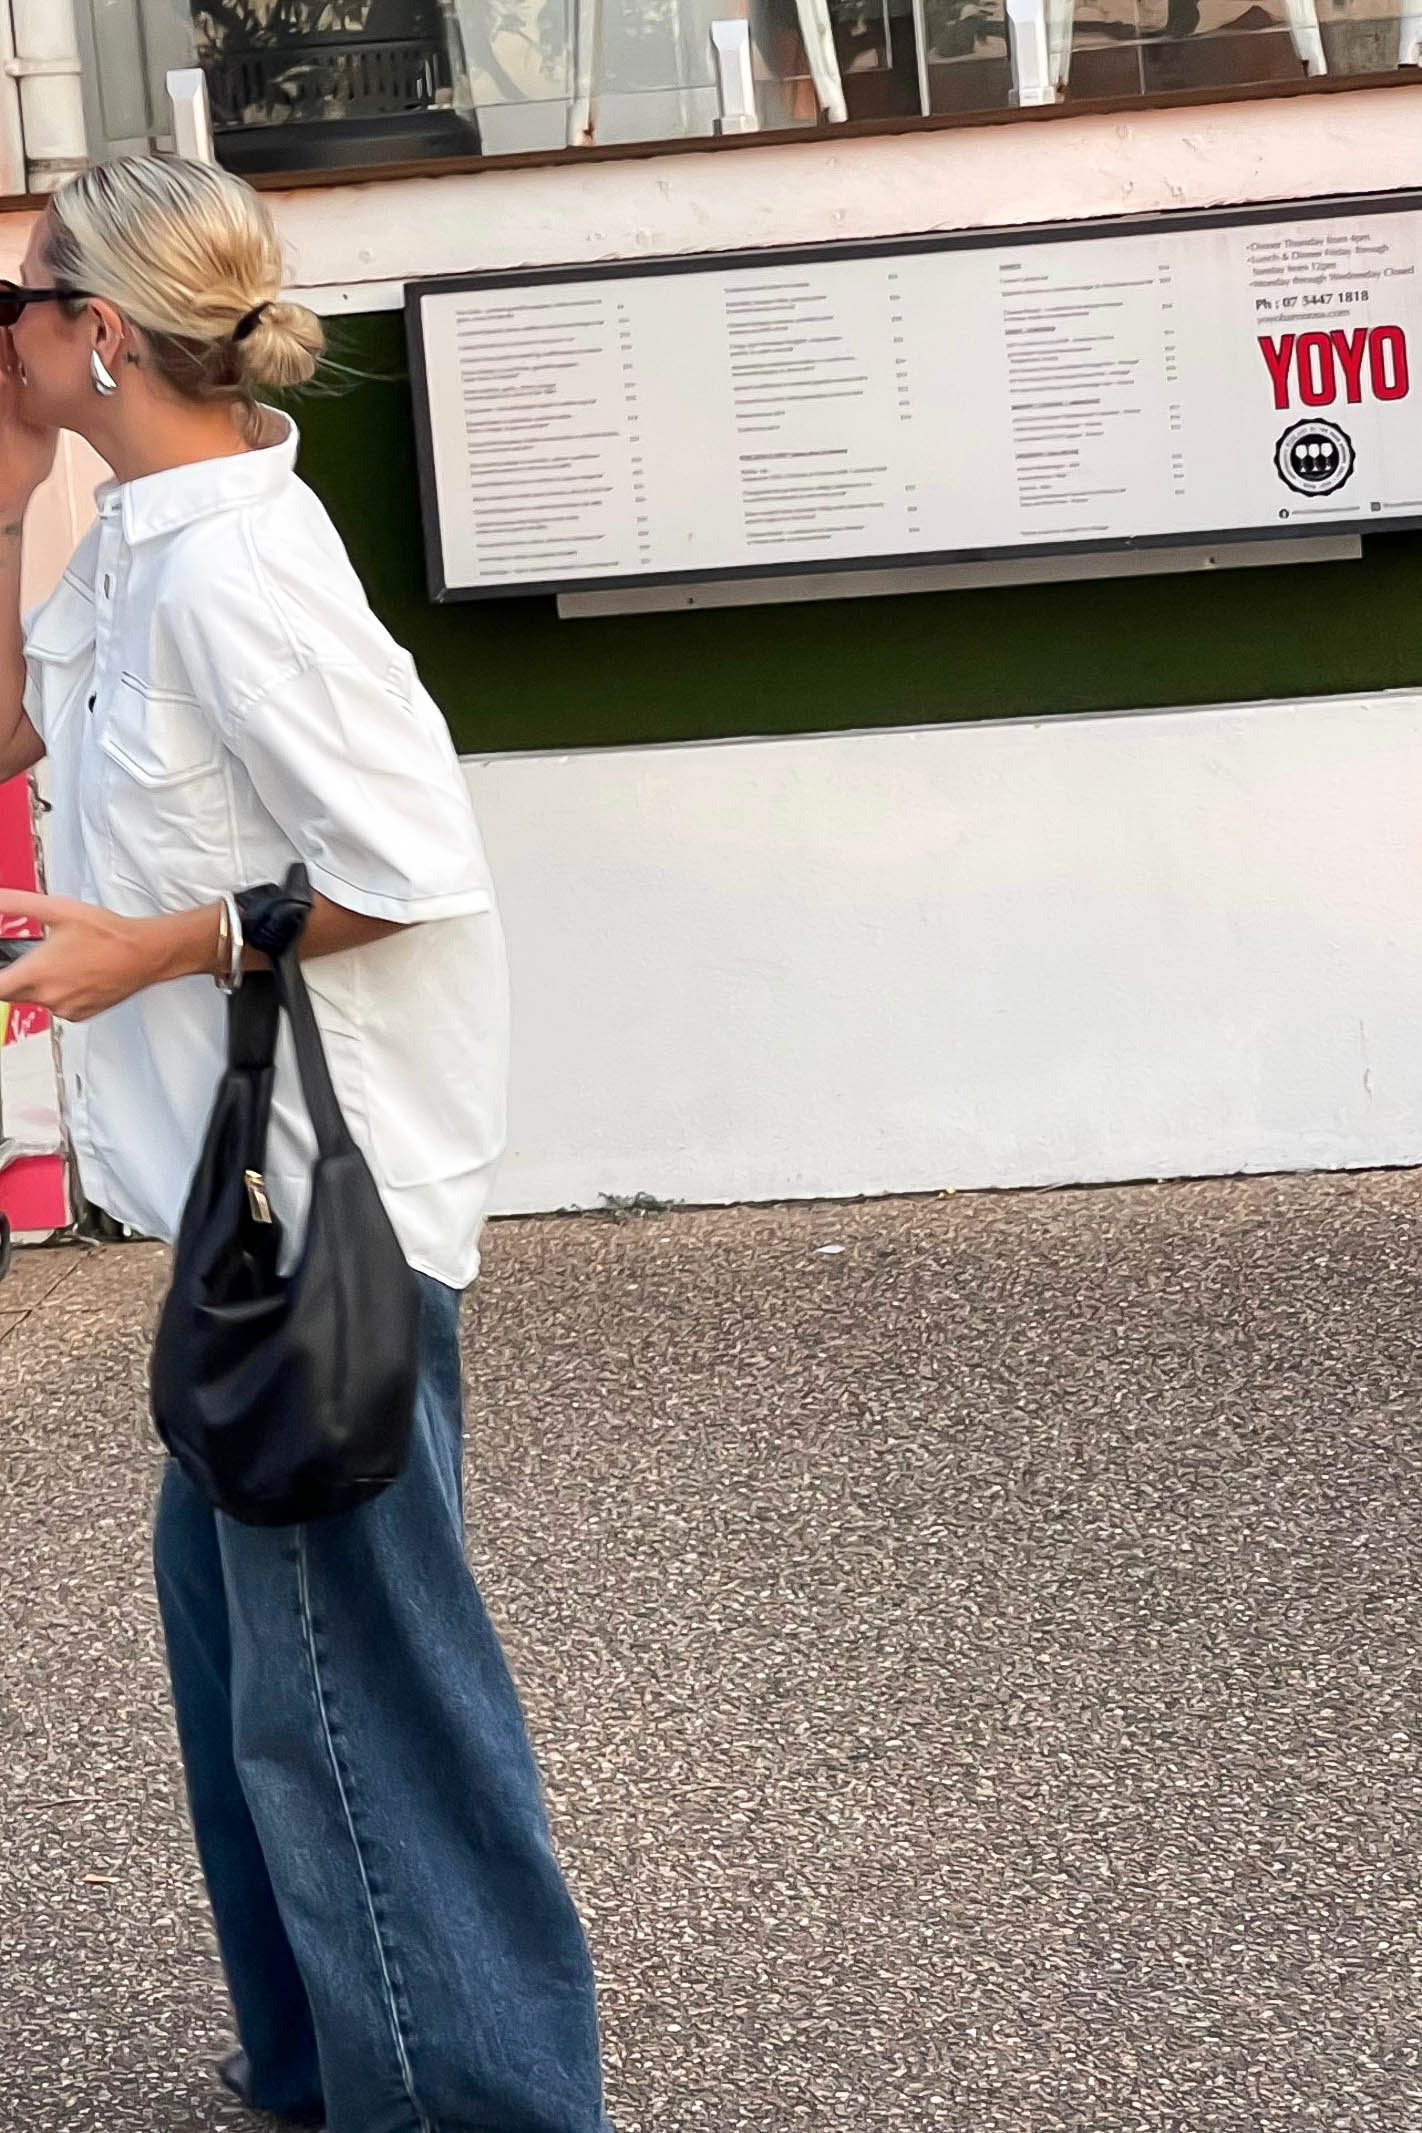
point(32, 1188)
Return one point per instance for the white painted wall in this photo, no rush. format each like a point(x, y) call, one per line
point(1080, 949)
point(353, 247)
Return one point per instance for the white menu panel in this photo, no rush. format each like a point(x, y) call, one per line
point(933, 400)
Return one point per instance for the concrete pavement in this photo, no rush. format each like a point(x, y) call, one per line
point(972, 1644)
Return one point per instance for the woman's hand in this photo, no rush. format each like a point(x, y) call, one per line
point(90, 959)
point(26, 453)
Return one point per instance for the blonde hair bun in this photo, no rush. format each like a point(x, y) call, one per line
point(283, 347)
point(186, 251)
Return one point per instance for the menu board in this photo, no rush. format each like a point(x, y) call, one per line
point(1193, 378)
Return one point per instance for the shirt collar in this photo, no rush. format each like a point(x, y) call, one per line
point(163, 503)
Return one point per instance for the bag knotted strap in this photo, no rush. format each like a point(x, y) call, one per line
point(273, 920)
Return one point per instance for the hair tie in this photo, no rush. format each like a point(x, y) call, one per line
point(250, 320)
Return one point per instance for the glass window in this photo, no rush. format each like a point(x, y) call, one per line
point(307, 84)
point(303, 84)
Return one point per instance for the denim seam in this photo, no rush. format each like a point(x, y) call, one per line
point(391, 2002)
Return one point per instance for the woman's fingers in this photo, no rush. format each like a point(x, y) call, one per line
point(41, 974)
point(89, 959)
point(46, 910)
point(26, 978)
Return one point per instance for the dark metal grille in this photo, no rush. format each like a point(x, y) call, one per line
point(317, 77)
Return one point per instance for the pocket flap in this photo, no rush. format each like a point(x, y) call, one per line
point(63, 626)
point(158, 739)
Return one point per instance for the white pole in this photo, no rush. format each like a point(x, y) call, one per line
point(1031, 58)
point(818, 36)
point(46, 66)
point(192, 114)
point(13, 176)
point(1306, 36)
point(1061, 18)
point(735, 77)
point(587, 39)
point(920, 46)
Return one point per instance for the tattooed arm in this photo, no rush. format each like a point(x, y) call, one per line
point(26, 456)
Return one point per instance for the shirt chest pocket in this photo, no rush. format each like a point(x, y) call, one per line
point(59, 654)
point(163, 796)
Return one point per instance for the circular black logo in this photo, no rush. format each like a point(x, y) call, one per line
point(1314, 457)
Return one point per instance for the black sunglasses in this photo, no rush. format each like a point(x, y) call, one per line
point(14, 298)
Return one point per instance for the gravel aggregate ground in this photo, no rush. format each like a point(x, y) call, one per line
point(971, 1643)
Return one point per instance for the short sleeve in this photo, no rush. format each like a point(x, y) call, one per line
point(360, 775)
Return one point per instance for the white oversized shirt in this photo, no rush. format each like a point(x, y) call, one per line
point(217, 699)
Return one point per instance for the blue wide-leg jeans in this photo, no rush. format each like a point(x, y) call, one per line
point(401, 1949)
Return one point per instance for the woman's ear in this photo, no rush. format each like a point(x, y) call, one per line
point(111, 334)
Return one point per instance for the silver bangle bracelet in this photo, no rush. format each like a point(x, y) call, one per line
point(234, 942)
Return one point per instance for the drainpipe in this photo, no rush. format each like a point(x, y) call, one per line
point(46, 68)
point(587, 43)
point(12, 133)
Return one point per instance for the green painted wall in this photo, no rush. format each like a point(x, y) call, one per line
point(509, 674)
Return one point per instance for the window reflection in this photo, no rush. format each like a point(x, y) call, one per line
point(649, 70)
point(301, 84)
point(969, 62)
point(1158, 47)
point(305, 83)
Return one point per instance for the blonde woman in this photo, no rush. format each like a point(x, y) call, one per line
point(216, 699)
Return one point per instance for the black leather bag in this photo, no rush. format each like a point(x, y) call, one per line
point(284, 1397)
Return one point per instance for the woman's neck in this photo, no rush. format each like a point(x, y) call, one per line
point(149, 436)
